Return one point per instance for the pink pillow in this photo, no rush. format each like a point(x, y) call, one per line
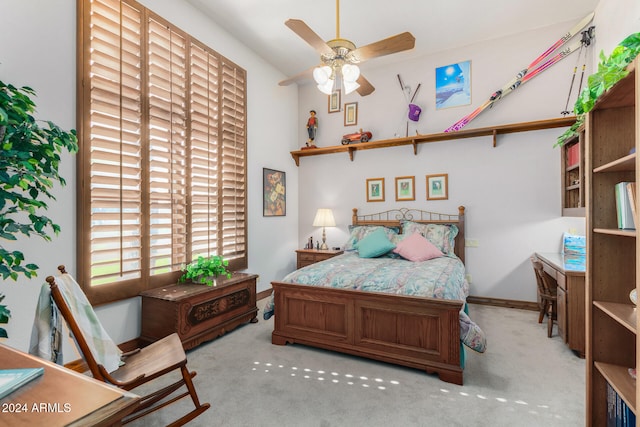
point(417, 248)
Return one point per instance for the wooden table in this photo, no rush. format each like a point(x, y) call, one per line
point(60, 396)
point(198, 313)
point(568, 273)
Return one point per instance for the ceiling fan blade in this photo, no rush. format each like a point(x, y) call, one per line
point(397, 43)
point(365, 88)
point(304, 75)
point(308, 35)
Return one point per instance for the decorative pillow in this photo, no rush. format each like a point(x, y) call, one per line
point(417, 248)
point(374, 244)
point(358, 232)
point(442, 236)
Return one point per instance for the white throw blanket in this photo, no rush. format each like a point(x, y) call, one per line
point(105, 351)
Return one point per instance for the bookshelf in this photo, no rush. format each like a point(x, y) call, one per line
point(611, 132)
point(572, 161)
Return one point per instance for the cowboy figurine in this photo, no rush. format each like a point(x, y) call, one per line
point(312, 127)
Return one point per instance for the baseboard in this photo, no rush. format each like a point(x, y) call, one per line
point(507, 303)
point(264, 294)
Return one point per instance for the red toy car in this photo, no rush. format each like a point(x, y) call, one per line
point(355, 137)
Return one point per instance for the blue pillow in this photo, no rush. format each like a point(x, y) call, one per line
point(374, 244)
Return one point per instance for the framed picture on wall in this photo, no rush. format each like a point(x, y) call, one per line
point(405, 188)
point(375, 189)
point(334, 101)
point(274, 192)
point(453, 85)
point(351, 114)
point(437, 187)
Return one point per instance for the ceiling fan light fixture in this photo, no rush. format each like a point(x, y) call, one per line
point(350, 72)
point(322, 74)
point(326, 87)
point(349, 86)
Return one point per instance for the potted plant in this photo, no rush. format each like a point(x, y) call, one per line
point(29, 162)
point(205, 270)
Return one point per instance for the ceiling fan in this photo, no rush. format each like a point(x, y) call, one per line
point(340, 56)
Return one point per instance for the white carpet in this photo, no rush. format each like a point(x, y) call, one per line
point(523, 379)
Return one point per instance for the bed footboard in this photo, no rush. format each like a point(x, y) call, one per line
point(417, 332)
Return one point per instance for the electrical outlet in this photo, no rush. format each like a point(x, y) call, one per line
point(471, 243)
point(468, 277)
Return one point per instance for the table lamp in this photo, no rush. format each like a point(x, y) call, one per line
point(324, 218)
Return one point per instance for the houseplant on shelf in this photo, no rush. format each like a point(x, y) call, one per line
point(611, 69)
point(29, 162)
point(205, 270)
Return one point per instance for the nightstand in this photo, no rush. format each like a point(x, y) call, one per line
point(311, 256)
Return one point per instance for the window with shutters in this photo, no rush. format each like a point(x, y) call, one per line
point(162, 160)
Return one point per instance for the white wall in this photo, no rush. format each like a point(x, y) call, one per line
point(511, 192)
point(38, 49)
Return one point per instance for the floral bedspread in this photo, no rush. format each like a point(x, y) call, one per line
point(442, 277)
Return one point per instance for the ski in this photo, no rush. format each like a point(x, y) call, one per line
point(525, 74)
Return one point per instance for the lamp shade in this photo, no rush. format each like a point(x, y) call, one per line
point(324, 218)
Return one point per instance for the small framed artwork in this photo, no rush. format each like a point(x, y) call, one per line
point(375, 189)
point(405, 188)
point(437, 187)
point(453, 85)
point(351, 114)
point(274, 192)
point(334, 101)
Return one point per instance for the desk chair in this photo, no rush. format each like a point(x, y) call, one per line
point(140, 366)
point(547, 294)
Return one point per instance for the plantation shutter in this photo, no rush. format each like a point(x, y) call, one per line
point(204, 152)
point(115, 132)
point(162, 132)
point(168, 95)
point(234, 184)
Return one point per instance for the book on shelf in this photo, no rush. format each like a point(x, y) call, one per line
point(573, 155)
point(618, 413)
point(13, 379)
point(631, 192)
point(623, 207)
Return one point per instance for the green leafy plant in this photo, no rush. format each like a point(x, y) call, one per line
point(611, 70)
point(5, 314)
point(29, 162)
point(205, 270)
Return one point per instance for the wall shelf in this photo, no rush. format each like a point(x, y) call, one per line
point(413, 141)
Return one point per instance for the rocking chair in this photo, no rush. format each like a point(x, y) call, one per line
point(140, 366)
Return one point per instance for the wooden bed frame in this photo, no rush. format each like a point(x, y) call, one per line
point(417, 332)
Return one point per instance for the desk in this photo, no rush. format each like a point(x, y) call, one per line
point(60, 396)
point(568, 273)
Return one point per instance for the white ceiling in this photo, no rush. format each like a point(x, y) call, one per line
point(437, 26)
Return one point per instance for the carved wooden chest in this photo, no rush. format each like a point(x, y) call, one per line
point(198, 313)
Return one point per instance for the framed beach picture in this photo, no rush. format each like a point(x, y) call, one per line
point(351, 114)
point(453, 85)
point(375, 189)
point(405, 188)
point(437, 187)
point(274, 193)
point(334, 101)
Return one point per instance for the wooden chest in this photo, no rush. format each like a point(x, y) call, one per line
point(198, 313)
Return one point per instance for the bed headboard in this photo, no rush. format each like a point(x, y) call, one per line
point(394, 218)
